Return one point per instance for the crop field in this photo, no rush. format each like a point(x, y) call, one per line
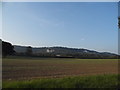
point(28, 69)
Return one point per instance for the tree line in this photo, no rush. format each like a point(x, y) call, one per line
point(8, 49)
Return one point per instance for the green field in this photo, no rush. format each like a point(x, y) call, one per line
point(59, 72)
point(96, 81)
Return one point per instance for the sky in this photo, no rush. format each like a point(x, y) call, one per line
point(89, 25)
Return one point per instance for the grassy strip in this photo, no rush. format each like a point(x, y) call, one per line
point(95, 81)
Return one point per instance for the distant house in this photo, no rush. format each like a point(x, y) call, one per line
point(58, 55)
point(49, 50)
point(85, 51)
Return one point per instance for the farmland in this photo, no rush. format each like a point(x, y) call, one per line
point(28, 69)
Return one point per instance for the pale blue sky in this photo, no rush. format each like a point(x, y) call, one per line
point(78, 25)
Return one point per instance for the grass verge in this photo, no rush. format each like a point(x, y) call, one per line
point(94, 81)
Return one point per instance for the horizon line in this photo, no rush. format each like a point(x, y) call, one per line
point(60, 46)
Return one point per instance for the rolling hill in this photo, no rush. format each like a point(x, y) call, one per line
point(65, 52)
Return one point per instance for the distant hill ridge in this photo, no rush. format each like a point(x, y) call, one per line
point(65, 51)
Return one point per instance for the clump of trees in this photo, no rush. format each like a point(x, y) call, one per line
point(7, 49)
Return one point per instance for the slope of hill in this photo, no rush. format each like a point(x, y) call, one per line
point(65, 52)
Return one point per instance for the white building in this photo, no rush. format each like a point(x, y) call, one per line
point(49, 50)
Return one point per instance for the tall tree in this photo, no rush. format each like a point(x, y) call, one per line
point(29, 51)
point(119, 21)
point(0, 48)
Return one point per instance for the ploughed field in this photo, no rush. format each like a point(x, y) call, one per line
point(23, 68)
